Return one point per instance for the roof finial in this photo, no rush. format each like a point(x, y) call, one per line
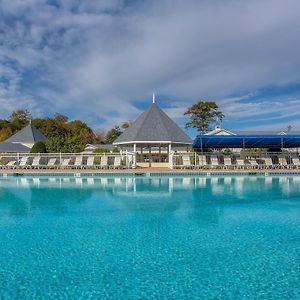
point(153, 98)
point(218, 123)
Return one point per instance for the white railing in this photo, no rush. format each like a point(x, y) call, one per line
point(244, 160)
point(65, 161)
point(128, 160)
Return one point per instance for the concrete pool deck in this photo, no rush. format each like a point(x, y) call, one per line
point(145, 172)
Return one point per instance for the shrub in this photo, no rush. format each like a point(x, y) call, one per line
point(116, 150)
point(100, 151)
point(39, 147)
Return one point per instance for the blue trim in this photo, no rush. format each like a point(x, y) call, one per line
point(247, 141)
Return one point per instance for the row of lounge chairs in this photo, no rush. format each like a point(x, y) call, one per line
point(213, 162)
point(37, 162)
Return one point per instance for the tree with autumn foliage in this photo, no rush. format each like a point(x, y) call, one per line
point(5, 133)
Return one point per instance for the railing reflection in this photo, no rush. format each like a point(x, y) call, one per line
point(149, 184)
point(181, 194)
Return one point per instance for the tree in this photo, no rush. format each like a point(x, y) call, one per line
point(5, 133)
point(39, 147)
point(61, 118)
point(202, 115)
point(112, 135)
point(125, 125)
point(116, 151)
point(20, 118)
point(99, 137)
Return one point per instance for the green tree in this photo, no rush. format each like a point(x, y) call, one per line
point(202, 115)
point(116, 151)
point(55, 144)
point(39, 147)
point(112, 135)
point(20, 118)
point(63, 136)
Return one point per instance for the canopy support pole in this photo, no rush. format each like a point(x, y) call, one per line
point(201, 146)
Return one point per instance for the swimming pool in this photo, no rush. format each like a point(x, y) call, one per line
point(150, 238)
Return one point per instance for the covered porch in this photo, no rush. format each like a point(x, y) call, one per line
point(153, 154)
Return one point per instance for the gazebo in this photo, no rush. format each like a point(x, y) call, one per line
point(152, 135)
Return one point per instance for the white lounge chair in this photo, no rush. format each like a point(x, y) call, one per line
point(78, 162)
point(268, 162)
point(186, 161)
point(214, 162)
point(36, 162)
point(90, 162)
point(282, 162)
point(65, 163)
point(227, 162)
point(23, 162)
point(240, 163)
point(104, 162)
point(296, 162)
point(51, 163)
point(117, 162)
point(202, 161)
point(11, 164)
point(253, 163)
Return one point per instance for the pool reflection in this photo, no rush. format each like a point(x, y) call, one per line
point(138, 195)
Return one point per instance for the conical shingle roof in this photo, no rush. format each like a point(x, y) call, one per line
point(13, 147)
point(27, 135)
point(154, 125)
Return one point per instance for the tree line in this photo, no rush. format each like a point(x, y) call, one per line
point(72, 136)
point(63, 135)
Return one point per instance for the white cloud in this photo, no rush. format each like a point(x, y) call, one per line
point(97, 59)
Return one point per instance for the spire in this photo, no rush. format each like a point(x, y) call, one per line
point(153, 98)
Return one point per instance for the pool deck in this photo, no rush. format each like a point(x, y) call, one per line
point(145, 171)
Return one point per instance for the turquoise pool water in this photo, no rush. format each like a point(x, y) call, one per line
point(150, 238)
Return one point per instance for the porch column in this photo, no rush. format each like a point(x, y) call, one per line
point(169, 151)
point(170, 156)
point(134, 156)
point(150, 157)
point(159, 153)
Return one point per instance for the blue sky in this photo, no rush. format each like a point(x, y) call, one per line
point(101, 60)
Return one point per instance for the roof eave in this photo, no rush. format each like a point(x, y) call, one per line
point(152, 142)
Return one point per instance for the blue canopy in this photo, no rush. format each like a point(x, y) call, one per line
point(247, 141)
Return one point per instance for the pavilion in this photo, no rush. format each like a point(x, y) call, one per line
point(150, 135)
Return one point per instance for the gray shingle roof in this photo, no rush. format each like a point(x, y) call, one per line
point(154, 125)
point(27, 135)
point(13, 147)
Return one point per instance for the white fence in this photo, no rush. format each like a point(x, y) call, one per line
point(189, 160)
point(65, 161)
point(252, 160)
